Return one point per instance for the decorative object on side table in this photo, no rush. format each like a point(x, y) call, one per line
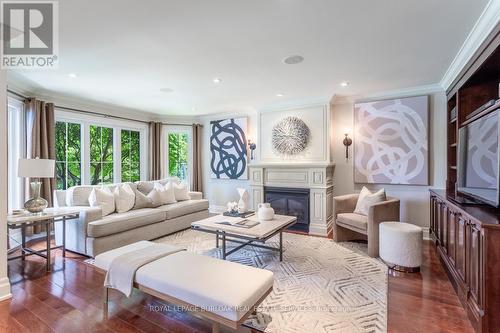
point(243, 202)
point(265, 212)
point(290, 136)
point(36, 168)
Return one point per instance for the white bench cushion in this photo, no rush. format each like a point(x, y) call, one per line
point(222, 287)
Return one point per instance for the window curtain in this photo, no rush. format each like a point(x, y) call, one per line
point(197, 184)
point(155, 150)
point(40, 130)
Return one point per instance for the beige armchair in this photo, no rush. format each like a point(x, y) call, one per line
point(348, 225)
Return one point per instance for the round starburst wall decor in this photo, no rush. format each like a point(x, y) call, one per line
point(290, 136)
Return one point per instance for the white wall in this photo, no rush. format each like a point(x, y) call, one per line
point(414, 199)
point(4, 280)
point(220, 191)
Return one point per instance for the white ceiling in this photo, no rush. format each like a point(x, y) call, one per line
point(124, 52)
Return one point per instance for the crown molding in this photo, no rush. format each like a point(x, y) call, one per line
point(488, 20)
point(396, 93)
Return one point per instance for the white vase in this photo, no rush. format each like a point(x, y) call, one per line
point(265, 212)
point(243, 203)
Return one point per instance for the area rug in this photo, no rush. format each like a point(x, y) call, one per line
point(321, 286)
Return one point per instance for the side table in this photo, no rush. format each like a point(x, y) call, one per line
point(47, 219)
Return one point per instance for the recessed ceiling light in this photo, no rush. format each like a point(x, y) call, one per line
point(72, 75)
point(293, 59)
point(344, 84)
point(217, 80)
point(193, 109)
point(279, 95)
point(166, 90)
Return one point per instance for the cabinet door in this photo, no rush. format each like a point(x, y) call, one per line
point(432, 229)
point(460, 244)
point(451, 235)
point(444, 227)
point(438, 221)
point(474, 262)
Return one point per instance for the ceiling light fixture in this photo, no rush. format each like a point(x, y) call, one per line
point(166, 90)
point(72, 75)
point(279, 95)
point(193, 109)
point(344, 84)
point(217, 80)
point(293, 59)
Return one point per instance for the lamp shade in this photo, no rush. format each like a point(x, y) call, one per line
point(36, 168)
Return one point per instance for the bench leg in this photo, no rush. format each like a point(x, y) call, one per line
point(105, 298)
point(215, 328)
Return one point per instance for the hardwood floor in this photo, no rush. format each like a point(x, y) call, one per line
point(69, 300)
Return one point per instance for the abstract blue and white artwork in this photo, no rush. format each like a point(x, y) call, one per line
point(228, 147)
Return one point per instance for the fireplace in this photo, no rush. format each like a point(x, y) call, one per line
point(292, 202)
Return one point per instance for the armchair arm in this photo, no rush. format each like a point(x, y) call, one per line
point(383, 211)
point(344, 204)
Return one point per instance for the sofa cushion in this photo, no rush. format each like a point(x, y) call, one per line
point(104, 198)
point(181, 192)
point(124, 198)
point(184, 208)
point(78, 196)
point(119, 222)
point(357, 221)
point(146, 186)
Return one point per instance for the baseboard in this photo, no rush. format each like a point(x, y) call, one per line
point(426, 231)
point(5, 289)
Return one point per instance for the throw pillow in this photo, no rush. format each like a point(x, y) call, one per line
point(124, 198)
point(181, 191)
point(155, 197)
point(142, 200)
point(367, 199)
point(102, 197)
point(166, 192)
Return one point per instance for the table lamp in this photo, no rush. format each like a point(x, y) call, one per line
point(36, 168)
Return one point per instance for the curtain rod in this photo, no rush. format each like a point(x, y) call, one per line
point(98, 113)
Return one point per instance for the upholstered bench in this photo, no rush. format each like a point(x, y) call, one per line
point(401, 246)
point(221, 291)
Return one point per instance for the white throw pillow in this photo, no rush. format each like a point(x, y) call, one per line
point(166, 192)
point(155, 198)
point(367, 199)
point(124, 198)
point(181, 191)
point(104, 198)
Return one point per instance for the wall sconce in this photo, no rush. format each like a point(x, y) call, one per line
point(252, 147)
point(347, 142)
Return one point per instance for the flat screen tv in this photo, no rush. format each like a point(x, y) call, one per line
point(478, 162)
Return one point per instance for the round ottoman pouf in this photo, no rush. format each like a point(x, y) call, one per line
point(400, 246)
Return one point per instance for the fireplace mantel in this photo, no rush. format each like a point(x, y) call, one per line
point(315, 176)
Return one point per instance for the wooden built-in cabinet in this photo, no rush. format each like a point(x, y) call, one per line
point(467, 238)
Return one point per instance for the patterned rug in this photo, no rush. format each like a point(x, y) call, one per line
point(321, 286)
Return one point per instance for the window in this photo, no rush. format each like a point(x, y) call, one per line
point(101, 155)
point(94, 150)
point(131, 156)
point(68, 155)
point(179, 153)
point(17, 143)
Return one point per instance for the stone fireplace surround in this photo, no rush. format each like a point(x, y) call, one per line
point(317, 177)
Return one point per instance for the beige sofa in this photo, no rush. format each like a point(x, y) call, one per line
point(348, 226)
point(93, 234)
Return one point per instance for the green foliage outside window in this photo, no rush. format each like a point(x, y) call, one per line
point(68, 155)
point(131, 159)
point(178, 155)
point(101, 155)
